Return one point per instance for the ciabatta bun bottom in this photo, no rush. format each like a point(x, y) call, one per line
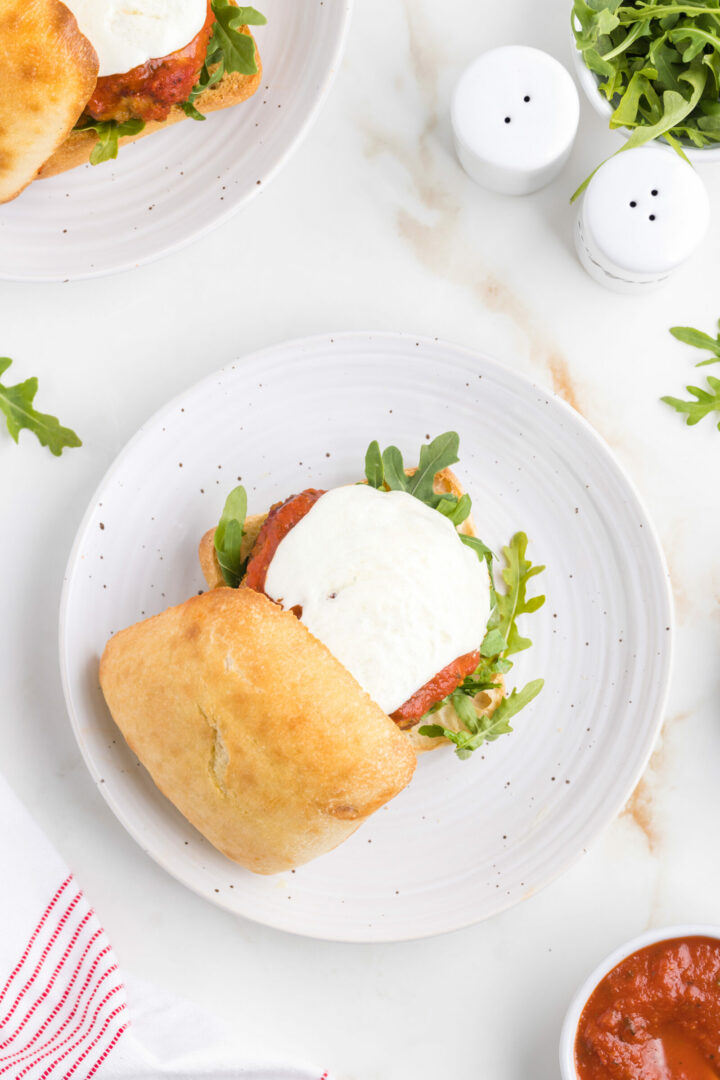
point(486, 701)
point(78, 146)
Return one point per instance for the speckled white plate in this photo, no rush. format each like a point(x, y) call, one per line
point(172, 187)
point(465, 839)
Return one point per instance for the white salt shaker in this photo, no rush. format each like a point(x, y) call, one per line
point(644, 213)
point(514, 116)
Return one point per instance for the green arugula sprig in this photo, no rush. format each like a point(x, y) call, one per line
point(658, 64)
point(228, 50)
point(513, 602)
point(502, 640)
point(707, 401)
point(229, 537)
point(109, 133)
point(699, 340)
point(385, 470)
point(16, 402)
point(479, 727)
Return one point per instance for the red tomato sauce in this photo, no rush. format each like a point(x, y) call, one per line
point(435, 690)
point(280, 520)
point(656, 1016)
point(149, 91)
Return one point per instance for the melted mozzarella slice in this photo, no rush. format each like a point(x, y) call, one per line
point(386, 583)
point(127, 33)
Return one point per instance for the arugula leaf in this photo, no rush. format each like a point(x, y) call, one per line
point(238, 49)
point(658, 64)
point(457, 510)
point(395, 478)
point(707, 401)
point(206, 79)
point(493, 643)
point(229, 536)
point(109, 132)
point(434, 457)
point(698, 340)
point(501, 641)
point(228, 50)
point(479, 727)
point(16, 402)
point(374, 470)
point(514, 602)
point(483, 552)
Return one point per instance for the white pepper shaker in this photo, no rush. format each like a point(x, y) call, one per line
point(514, 116)
point(643, 214)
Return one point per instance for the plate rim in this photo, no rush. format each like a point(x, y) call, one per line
point(322, 94)
point(665, 596)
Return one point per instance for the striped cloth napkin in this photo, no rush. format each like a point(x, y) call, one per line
point(66, 1012)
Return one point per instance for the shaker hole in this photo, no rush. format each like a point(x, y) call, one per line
point(526, 98)
point(633, 204)
point(652, 217)
point(507, 119)
point(654, 191)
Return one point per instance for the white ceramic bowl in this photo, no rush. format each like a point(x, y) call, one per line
point(650, 937)
point(589, 82)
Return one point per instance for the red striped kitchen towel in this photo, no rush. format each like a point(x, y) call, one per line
point(65, 1009)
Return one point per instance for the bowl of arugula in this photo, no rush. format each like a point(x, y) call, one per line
point(653, 69)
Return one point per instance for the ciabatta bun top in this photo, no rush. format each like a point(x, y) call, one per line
point(257, 734)
point(48, 71)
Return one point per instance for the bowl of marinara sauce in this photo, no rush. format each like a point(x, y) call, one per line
point(650, 1011)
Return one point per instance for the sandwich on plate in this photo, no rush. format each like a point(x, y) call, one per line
point(80, 78)
point(343, 632)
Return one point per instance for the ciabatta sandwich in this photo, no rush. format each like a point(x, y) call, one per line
point(81, 78)
point(344, 631)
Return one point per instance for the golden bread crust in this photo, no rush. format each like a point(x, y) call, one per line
point(250, 726)
point(231, 90)
point(48, 71)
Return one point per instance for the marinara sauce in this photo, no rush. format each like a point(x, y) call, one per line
point(435, 690)
point(149, 91)
point(280, 520)
point(656, 1016)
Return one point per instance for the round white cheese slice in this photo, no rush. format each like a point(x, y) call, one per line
point(386, 583)
point(127, 33)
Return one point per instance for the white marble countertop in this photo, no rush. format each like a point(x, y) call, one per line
point(373, 225)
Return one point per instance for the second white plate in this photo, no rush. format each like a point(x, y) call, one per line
point(465, 839)
point(176, 185)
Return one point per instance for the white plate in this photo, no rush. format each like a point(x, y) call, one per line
point(169, 189)
point(465, 839)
